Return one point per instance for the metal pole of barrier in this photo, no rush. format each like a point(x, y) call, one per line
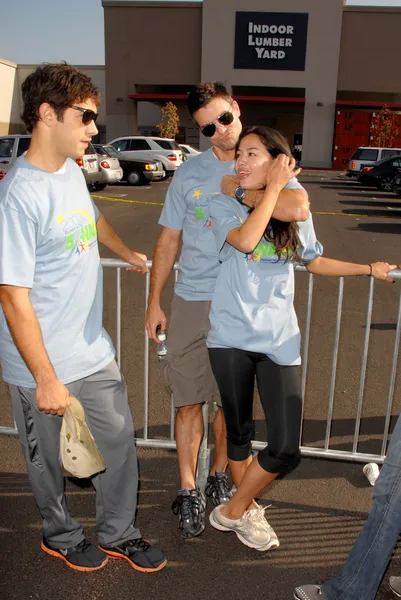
point(118, 320)
point(9, 430)
point(146, 363)
point(306, 348)
point(358, 457)
point(204, 452)
point(172, 418)
point(172, 408)
point(364, 363)
point(392, 381)
point(334, 363)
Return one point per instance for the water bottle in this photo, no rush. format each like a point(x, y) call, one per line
point(161, 350)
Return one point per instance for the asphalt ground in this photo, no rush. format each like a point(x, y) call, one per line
point(316, 511)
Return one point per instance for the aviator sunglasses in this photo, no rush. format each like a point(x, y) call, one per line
point(224, 119)
point(87, 114)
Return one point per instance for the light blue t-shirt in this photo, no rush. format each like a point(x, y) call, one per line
point(194, 187)
point(48, 243)
point(253, 303)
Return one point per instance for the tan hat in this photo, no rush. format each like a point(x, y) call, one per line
point(79, 454)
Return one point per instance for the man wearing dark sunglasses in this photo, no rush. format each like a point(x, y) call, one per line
point(187, 367)
point(51, 336)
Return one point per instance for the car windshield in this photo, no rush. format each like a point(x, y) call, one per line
point(112, 152)
point(6, 147)
point(100, 150)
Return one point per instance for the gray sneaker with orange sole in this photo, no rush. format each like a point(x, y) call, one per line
point(84, 557)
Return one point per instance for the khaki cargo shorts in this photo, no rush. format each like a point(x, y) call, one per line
point(187, 369)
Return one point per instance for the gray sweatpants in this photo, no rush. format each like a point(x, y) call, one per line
point(105, 400)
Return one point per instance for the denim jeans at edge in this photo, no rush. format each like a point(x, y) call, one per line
point(371, 553)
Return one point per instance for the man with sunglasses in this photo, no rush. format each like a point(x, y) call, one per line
point(187, 367)
point(52, 343)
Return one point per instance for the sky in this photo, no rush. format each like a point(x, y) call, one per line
point(52, 30)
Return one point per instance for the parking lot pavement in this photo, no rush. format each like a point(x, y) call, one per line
point(316, 511)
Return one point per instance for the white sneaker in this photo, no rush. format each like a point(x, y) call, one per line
point(249, 530)
point(257, 515)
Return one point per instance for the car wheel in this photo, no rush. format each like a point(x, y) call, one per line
point(135, 177)
point(167, 175)
point(386, 184)
point(99, 186)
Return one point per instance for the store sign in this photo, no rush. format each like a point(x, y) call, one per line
point(268, 40)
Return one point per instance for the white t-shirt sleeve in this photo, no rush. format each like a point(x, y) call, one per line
point(96, 210)
point(18, 241)
point(175, 206)
point(311, 247)
point(224, 217)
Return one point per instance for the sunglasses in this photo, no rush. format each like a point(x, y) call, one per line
point(87, 115)
point(225, 119)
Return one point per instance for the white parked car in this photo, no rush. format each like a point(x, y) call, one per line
point(164, 150)
point(188, 151)
point(12, 146)
point(365, 156)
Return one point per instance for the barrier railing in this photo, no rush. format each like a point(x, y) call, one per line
point(326, 451)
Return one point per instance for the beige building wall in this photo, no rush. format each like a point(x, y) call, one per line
point(7, 84)
point(148, 44)
point(97, 73)
point(319, 78)
point(371, 51)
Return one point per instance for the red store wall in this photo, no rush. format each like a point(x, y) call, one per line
point(355, 128)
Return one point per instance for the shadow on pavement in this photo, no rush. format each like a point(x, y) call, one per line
point(315, 541)
point(378, 227)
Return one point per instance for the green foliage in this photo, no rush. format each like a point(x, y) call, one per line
point(385, 128)
point(168, 126)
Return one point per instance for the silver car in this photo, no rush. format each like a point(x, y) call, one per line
point(109, 167)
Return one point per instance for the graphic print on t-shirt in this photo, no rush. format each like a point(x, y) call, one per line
point(201, 207)
point(265, 252)
point(80, 231)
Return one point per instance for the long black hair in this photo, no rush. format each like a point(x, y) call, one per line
point(283, 235)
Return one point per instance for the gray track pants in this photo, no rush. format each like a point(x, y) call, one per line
point(105, 400)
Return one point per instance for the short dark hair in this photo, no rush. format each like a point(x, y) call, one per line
point(60, 85)
point(205, 93)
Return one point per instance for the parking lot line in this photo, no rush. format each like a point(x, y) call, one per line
point(335, 214)
point(111, 199)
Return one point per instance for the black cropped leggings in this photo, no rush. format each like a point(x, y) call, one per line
point(280, 394)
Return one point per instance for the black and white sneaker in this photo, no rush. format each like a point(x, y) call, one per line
point(84, 557)
point(309, 592)
point(140, 555)
point(217, 489)
point(190, 505)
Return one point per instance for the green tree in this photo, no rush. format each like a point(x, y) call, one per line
point(168, 126)
point(385, 128)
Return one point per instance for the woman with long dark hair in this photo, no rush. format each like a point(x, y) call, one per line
point(254, 329)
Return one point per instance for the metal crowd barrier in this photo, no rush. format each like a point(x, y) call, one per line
point(326, 452)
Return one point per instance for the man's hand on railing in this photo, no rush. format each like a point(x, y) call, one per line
point(155, 316)
point(138, 262)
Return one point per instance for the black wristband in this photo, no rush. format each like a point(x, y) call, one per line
point(371, 269)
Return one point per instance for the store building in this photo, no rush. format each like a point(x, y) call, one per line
point(307, 67)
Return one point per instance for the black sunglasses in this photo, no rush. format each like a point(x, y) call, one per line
point(87, 114)
point(225, 119)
